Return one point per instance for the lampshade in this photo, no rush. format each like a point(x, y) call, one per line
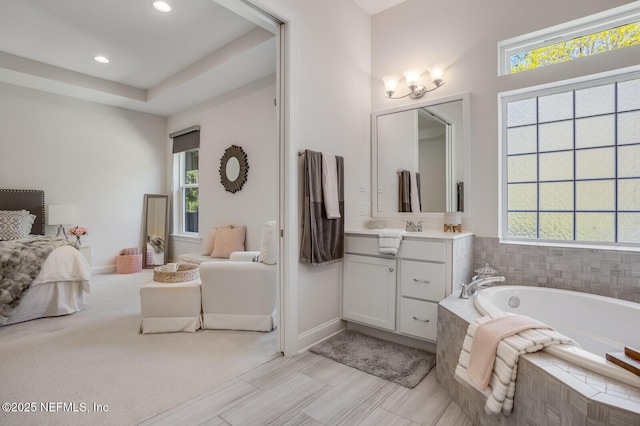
point(436, 74)
point(390, 83)
point(412, 77)
point(452, 218)
point(61, 214)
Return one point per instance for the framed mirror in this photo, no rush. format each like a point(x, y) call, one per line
point(233, 168)
point(426, 143)
point(156, 230)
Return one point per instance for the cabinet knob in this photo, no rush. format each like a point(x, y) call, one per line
point(420, 319)
point(390, 269)
point(422, 281)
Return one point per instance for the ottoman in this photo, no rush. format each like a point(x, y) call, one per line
point(168, 307)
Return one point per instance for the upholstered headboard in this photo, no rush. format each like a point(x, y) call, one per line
point(31, 200)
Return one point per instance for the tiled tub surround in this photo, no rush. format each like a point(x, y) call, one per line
point(549, 391)
point(609, 273)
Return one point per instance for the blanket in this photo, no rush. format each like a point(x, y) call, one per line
point(20, 263)
point(502, 384)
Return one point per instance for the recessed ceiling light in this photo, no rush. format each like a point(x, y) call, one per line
point(101, 59)
point(162, 6)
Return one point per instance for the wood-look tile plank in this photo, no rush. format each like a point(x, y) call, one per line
point(423, 404)
point(351, 400)
point(206, 406)
point(274, 372)
point(276, 405)
point(380, 416)
point(303, 420)
point(326, 370)
point(454, 416)
point(216, 421)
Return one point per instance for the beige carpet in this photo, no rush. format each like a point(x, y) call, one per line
point(97, 356)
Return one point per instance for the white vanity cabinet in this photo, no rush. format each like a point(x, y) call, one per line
point(401, 293)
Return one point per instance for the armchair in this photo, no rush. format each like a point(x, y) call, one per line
point(241, 294)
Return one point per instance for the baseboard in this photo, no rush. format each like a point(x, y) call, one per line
point(106, 269)
point(319, 333)
point(393, 337)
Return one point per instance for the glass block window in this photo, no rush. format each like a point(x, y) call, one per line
point(571, 163)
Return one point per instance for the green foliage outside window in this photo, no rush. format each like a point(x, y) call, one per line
point(591, 44)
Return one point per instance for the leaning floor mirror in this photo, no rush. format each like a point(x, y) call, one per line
point(156, 230)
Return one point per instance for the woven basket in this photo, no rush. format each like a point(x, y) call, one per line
point(184, 273)
point(128, 263)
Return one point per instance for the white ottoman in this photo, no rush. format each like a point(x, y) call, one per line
point(168, 307)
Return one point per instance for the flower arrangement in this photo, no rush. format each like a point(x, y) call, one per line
point(78, 231)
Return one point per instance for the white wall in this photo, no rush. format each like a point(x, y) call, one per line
point(100, 158)
point(245, 117)
point(461, 36)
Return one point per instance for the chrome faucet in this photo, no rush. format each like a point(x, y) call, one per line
point(413, 227)
point(472, 288)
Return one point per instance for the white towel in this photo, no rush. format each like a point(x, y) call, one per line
point(415, 197)
point(330, 186)
point(502, 386)
point(389, 240)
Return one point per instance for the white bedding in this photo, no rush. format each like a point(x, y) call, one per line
point(58, 289)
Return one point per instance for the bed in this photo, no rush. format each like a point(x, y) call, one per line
point(62, 279)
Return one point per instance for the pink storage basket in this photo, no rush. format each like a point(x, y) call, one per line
point(128, 263)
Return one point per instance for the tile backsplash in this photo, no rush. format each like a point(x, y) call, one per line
point(604, 272)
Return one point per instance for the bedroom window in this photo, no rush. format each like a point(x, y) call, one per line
point(186, 180)
point(603, 32)
point(189, 188)
point(571, 163)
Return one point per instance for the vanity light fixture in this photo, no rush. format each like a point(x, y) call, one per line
point(101, 59)
point(162, 6)
point(416, 90)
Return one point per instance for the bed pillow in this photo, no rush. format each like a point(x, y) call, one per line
point(269, 244)
point(227, 241)
point(211, 238)
point(15, 224)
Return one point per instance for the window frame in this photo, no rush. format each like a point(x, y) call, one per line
point(179, 189)
point(504, 98)
point(605, 20)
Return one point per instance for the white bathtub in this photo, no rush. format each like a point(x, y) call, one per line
point(599, 324)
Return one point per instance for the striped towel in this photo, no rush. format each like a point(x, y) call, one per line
point(389, 241)
point(502, 385)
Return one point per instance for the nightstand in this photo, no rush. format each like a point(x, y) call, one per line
point(86, 252)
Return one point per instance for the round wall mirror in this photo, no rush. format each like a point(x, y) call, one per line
point(233, 168)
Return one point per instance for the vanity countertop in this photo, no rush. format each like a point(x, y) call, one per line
point(427, 233)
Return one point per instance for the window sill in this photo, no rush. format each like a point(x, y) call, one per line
point(194, 239)
point(604, 246)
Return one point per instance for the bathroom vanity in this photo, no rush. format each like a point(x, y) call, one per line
point(400, 293)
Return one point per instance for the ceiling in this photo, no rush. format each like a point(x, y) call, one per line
point(376, 6)
point(160, 63)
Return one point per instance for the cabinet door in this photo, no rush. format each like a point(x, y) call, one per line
point(369, 291)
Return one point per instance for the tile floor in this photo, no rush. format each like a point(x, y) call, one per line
point(312, 390)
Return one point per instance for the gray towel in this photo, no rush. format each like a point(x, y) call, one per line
point(322, 238)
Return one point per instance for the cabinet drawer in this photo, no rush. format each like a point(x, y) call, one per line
point(423, 280)
point(419, 319)
point(434, 251)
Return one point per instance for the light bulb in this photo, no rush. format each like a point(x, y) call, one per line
point(162, 6)
point(412, 77)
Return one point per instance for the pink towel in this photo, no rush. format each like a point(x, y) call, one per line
point(485, 343)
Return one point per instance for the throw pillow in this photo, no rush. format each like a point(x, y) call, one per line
point(269, 244)
point(15, 224)
point(227, 241)
point(211, 238)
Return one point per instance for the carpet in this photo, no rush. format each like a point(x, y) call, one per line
point(98, 356)
point(390, 361)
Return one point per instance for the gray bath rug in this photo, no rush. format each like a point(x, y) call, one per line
point(390, 361)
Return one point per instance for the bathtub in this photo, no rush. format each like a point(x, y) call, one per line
point(598, 324)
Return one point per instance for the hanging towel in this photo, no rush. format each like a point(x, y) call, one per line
point(322, 240)
point(502, 383)
point(389, 241)
point(330, 186)
point(415, 192)
point(404, 191)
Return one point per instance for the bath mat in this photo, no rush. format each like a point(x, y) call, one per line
point(390, 361)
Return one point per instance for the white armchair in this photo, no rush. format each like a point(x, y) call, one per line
point(241, 294)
